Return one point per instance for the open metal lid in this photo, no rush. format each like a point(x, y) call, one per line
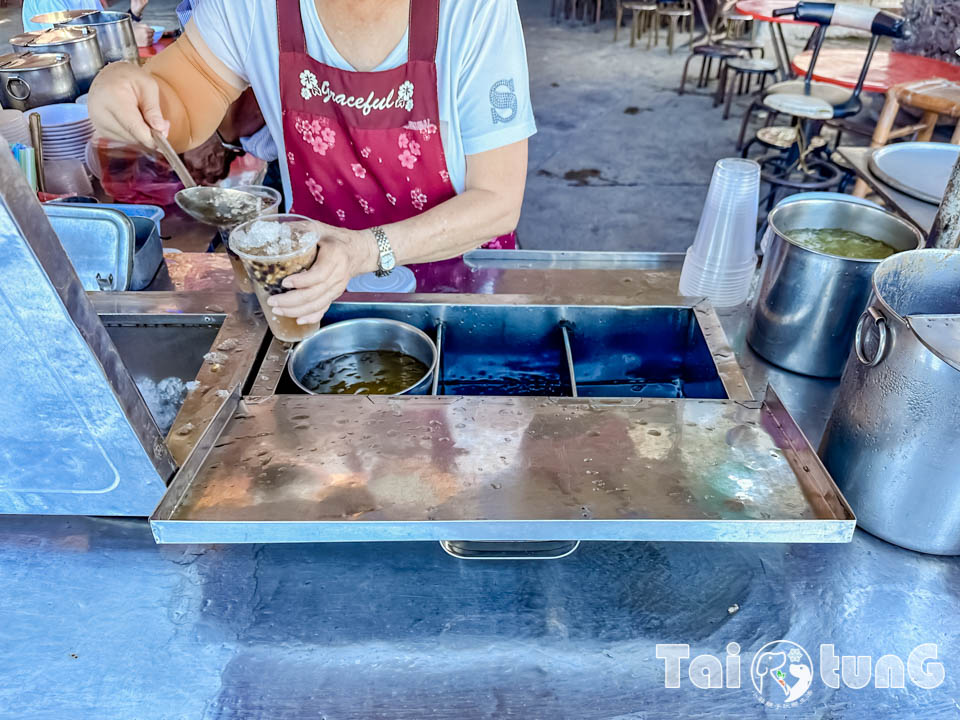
point(99, 242)
point(52, 36)
point(63, 16)
point(32, 61)
point(940, 334)
point(81, 17)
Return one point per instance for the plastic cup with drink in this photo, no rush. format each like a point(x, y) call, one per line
point(271, 249)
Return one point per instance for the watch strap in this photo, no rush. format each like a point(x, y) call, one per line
point(384, 250)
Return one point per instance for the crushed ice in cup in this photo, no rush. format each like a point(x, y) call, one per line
point(269, 239)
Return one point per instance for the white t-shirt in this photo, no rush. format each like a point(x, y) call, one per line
point(484, 87)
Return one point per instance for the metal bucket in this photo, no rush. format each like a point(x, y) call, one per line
point(114, 31)
point(365, 334)
point(892, 443)
point(80, 43)
point(808, 303)
point(34, 79)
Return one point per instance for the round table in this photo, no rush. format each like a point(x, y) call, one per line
point(842, 67)
point(762, 11)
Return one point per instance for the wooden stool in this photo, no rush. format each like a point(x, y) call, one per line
point(743, 69)
point(676, 18)
point(566, 9)
point(707, 53)
point(935, 97)
point(644, 14)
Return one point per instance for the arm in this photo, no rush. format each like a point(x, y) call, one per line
point(489, 207)
point(183, 92)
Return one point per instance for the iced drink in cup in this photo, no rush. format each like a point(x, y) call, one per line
point(271, 249)
point(269, 204)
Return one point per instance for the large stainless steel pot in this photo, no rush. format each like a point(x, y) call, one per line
point(808, 303)
point(34, 79)
point(114, 31)
point(893, 441)
point(80, 43)
point(365, 334)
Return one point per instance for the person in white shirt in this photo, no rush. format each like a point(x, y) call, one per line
point(402, 124)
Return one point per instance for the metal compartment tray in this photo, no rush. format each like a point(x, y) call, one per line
point(682, 453)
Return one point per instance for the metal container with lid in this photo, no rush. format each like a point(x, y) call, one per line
point(114, 30)
point(891, 442)
point(808, 302)
point(80, 43)
point(34, 79)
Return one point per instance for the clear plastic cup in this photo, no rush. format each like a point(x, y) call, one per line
point(267, 268)
point(721, 262)
point(269, 206)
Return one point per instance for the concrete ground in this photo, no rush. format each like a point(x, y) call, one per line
point(620, 162)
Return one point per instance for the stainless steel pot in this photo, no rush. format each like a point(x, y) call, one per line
point(893, 440)
point(365, 334)
point(114, 30)
point(808, 303)
point(80, 43)
point(34, 79)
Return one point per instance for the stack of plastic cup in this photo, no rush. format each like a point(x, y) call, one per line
point(722, 260)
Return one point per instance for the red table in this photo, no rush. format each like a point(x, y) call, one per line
point(763, 10)
point(151, 50)
point(842, 67)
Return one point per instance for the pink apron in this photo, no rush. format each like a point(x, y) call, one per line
point(364, 148)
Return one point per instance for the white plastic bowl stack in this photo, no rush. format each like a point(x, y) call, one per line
point(722, 260)
point(66, 130)
point(14, 128)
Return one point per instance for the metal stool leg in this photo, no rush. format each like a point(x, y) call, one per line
point(720, 93)
point(726, 108)
point(746, 123)
point(683, 78)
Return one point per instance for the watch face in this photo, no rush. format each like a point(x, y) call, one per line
point(388, 261)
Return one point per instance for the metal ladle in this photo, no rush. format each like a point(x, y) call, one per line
point(223, 208)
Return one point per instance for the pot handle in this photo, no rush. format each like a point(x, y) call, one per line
point(20, 82)
point(881, 324)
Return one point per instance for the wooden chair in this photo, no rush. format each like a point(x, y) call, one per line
point(935, 97)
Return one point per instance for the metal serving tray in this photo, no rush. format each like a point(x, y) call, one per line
point(647, 431)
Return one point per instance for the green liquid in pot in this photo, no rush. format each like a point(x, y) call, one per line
point(842, 243)
point(369, 372)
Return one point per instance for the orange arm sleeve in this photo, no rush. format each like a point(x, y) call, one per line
point(193, 97)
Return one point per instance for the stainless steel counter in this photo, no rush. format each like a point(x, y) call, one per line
point(98, 621)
